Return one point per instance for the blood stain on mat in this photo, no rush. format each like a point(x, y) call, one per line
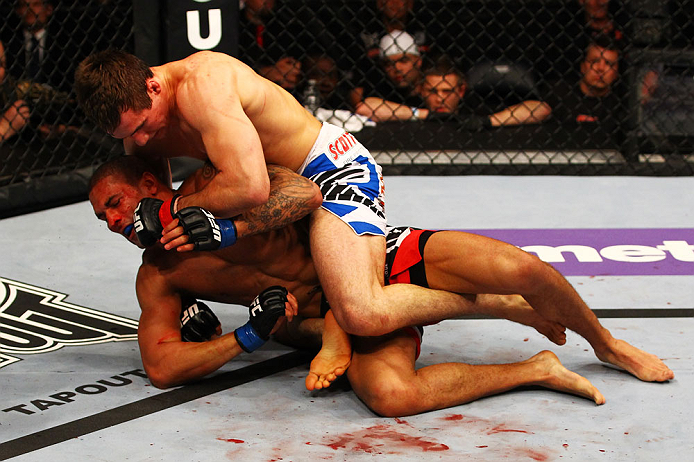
point(375, 440)
point(403, 422)
point(231, 440)
point(501, 428)
point(535, 455)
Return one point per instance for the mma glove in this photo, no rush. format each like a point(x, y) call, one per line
point(198, 322)
point(205, 231)
point(151, 217)
point(264, 312)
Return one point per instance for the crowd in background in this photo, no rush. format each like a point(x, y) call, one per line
point(478, 64)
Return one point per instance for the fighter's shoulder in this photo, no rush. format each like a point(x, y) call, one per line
point(205, 66)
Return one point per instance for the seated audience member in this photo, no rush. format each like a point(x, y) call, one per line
point(323, 69)
point(595, 98)
point(42, 53)
point(273, 39)
point(390, 90)
point(392, 15)
point(444, 91)
point(442, 88)
point(572, 28)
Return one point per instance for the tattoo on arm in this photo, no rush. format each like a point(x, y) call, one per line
point(292, 197)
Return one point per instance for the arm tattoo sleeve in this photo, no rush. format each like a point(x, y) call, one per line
point(292, 197)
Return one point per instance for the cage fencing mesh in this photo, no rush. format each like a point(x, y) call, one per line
point(374, 66)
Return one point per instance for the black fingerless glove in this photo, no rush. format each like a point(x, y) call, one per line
point(264, 312)
point(150, 217)
point(198, 322)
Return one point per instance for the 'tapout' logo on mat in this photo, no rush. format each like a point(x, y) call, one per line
point(36, 320)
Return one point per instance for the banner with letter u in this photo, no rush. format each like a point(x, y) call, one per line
point(169, 30)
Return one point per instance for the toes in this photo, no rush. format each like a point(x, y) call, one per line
point(311, 381)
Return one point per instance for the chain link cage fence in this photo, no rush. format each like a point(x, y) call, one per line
point(579, 87)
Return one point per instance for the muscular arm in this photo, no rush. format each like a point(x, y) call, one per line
point(292, 197)
point(210, 103)
point(527, 112)
point(169, 361)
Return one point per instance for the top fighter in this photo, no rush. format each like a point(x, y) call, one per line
point(212, 106)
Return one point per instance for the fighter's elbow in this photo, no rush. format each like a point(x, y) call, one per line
point(257, 196)
point(161, 377)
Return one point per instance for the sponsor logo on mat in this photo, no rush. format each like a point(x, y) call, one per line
point(37, 320)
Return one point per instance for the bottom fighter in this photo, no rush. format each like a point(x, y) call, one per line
point(382, 370)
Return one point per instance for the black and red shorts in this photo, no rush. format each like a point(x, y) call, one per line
point(405, 255)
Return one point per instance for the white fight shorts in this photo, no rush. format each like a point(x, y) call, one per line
point(349, 178)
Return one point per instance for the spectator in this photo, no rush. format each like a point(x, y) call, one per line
point(599, 20)
point(41, 58)
point(273, 39)
point(595, 98)
point(566, 35)
point(443, 90)
point(392, 15)
point(390, 92)
point(42, 49)
point(371, 26)
point(323, 69)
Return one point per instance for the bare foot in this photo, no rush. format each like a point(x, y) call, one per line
point(334, 357)
point(554, 331)
point(561, 379)
point(516, 309)
point(645, 366)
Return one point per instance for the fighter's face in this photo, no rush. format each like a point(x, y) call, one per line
point(114, 200)
point(442, 93)
point(147, 124)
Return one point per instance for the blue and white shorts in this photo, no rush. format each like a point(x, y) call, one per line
point(349, 178)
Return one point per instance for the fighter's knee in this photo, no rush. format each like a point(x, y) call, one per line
point(527, 271)
point(390, 398)
point(358, 321)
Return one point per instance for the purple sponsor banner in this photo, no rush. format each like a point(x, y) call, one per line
point(603, 252)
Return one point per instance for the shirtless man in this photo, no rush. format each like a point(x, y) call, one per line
point(213, 107)
point(281, 258)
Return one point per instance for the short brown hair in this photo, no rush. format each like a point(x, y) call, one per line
point(441, 65)
point(109, 83)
